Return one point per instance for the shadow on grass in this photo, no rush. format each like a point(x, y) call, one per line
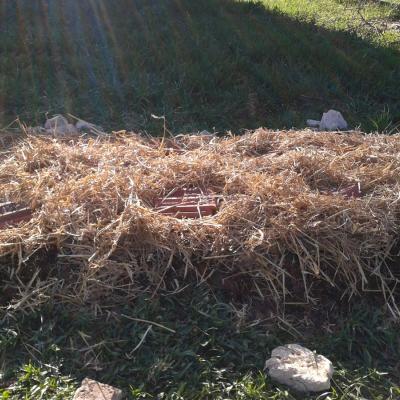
point(202, 64)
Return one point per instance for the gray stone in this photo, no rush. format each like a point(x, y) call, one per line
point(333, 121)
point(56, 122)
point(62, 130)
point(202, 133)
point(394, 26)
point(93, 390)
point(312, 123)
point(84, 126)
point(299, 368)
point(35, 130)
point(205, 133)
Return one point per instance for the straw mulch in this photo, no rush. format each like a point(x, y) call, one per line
point(290, 226)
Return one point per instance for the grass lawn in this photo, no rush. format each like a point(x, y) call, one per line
point(207, 64)
point(206, 348)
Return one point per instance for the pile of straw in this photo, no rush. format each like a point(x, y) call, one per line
point(288, 229)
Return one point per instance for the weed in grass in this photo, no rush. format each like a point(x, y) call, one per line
point(33, 382)
point(382, 122)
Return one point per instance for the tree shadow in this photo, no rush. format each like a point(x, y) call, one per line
point(215, 63)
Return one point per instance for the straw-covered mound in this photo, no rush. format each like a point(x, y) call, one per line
point(302, 214)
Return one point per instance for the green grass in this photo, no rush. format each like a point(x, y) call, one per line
point(208, 64)
point(343, 15)
point(216, 352)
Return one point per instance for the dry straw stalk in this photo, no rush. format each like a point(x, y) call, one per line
point(289, 227)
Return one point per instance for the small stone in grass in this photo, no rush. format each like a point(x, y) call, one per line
point(300, 368)
point(84, 126)
point(62, 130)
point(57, 122)
point(93, 390)
point(332, 121)
point(35, 130)
point(312, 123)
point(206, 133)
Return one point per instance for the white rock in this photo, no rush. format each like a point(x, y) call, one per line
point(205, 133)
point(201, 133)
point(56, 122)
point(84, 126)
point(332, 121)
point(312, 123)
point(394, 26)
point(93, 390)
point(300, 368)
point(62, 130)
point(35, 130)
